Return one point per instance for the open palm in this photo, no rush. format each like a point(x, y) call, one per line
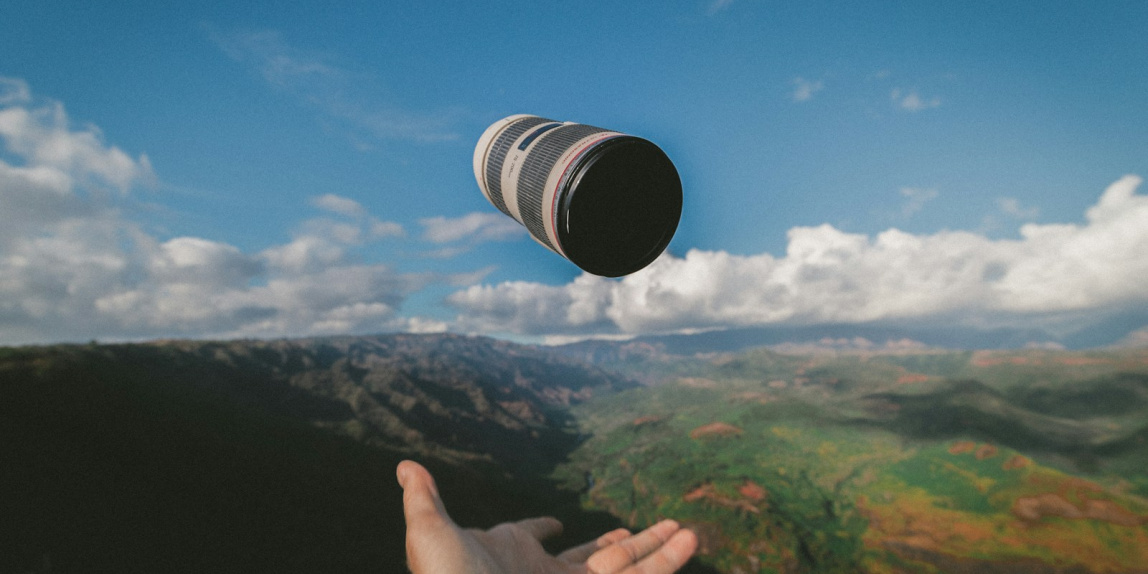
point(436, 545)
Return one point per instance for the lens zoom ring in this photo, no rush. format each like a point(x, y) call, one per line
point(497, 156)
point(536, 169)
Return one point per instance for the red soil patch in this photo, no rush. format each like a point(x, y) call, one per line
point(704, 491)
point(1016, 462)
point(986, 451)
point(1036, 508)
point(963, 446)
point(912, 378)
point(752, 491)
point(718, 429)
point(709, 493)
point(1109, 511)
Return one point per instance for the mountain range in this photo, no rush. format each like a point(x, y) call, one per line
point(253, 456)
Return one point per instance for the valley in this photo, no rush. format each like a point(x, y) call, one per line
point(1025, 461)
point(243, 456)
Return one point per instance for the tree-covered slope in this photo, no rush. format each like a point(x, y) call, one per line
point(278, 456)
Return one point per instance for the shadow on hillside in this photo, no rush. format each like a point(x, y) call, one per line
point(1057, 420)
point(108, 466)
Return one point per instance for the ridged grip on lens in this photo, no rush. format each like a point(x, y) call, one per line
point(497, 155)
point(536, 169)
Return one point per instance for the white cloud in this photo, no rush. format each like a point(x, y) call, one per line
point(362, 225)
point(804, 89)
point(1136, 339)
point(829, 276)
point(14, 91)
point(336, 92)
point(339, 204)
point(912, 101)
point(195, 261)
point(304, 254)
point(474, 227)
point(915, 199)
point(446, 252)
point(42, 138)
point(1012, 207)
point(380, 229)
point(72, 267)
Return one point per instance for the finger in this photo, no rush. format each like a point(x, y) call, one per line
point(670, 557)
point(579, 554)
point(421, 502)
point(541, 528)
point(612, 537)
point(630, 550)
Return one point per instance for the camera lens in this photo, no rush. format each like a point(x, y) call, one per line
point(607, 201)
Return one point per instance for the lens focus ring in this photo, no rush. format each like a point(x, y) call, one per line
point(497, 155)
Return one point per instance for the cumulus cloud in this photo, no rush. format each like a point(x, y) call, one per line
point(355, 226)
point(40, 136)
point(472, 227)
point(803, 89)
point(912, 101)
point(338, 93)
point(830, 276)
point(73, 267)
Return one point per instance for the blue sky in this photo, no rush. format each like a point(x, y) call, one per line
point(214, 170)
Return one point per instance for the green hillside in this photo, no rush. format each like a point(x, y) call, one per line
point(928, 462)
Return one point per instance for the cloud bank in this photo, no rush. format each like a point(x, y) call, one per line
point(472, 227)
point(1053, 271)
point(73, 267)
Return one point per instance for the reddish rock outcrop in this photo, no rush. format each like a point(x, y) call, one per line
point(1016, 462)
point(1036, 508)
point(986, 451)
point(961, 447)
point(718, 429)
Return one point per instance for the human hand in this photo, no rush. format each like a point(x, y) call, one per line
point(436, 545)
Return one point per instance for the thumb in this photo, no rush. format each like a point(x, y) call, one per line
point(421, 503)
